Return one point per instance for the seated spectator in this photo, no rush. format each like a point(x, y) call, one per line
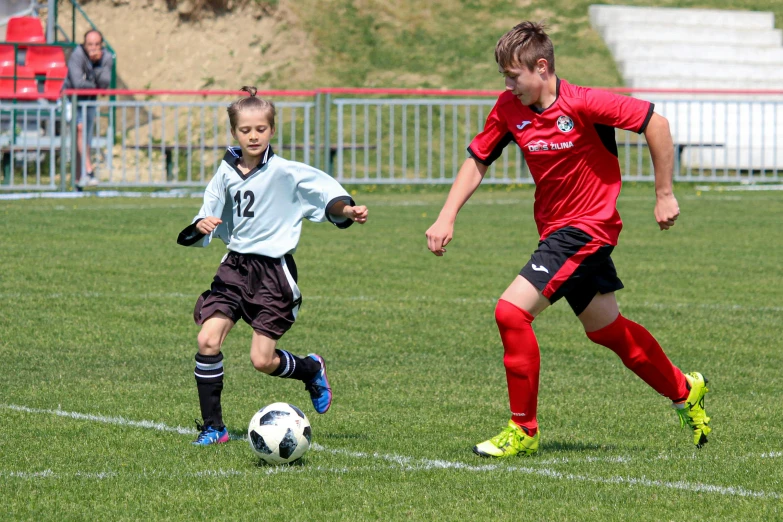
point(89, 67)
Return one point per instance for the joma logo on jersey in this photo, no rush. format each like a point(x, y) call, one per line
point(539, 145)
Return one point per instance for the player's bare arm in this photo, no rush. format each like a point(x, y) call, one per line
point(468, 179)
point(659, 140)
point(208, 224)
point(357, 213)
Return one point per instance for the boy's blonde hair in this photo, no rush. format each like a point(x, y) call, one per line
point(524, 45)
point(250, 102)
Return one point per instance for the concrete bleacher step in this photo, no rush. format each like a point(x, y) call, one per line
point(643, 33)
point(698, 70)
point(684, 81)
point(705, 49)
point(603, 15)
point(628, 51)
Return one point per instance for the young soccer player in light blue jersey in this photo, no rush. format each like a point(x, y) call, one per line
point(255, 204)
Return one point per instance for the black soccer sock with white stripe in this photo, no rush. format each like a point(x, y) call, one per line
point(293, 367)
point(209, 381)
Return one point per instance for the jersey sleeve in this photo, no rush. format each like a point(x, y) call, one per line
point(614, 110)
point(317, 191)
point(214, 205)
point(488, 145)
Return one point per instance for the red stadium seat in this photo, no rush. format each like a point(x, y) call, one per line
point(7, 55)
point(41, 59)
point(24, 29)
point(55, 78)
point(26, 85)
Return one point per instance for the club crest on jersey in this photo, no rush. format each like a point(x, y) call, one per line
point(565, 124)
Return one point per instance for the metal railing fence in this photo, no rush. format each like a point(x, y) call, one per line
point(29, 146)
point(376, 137)
point(157, 143)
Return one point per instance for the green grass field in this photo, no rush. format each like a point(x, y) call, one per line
point(98, 401)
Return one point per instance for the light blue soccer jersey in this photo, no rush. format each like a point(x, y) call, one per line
point(262, 211)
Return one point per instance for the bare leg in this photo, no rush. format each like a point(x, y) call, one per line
point(213, 333)
point(262, 353)
point(209, 370)
point(602, 311)
point(522, 294)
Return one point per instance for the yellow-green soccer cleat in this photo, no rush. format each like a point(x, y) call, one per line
point(509, 442)
point(692, 411)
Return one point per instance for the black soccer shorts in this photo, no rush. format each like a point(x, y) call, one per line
point(261, 290)
point(570, 263)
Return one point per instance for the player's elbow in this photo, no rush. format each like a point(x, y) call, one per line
point(657, 124)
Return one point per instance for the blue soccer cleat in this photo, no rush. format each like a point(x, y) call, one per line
point(320, 391)
point(209, 435)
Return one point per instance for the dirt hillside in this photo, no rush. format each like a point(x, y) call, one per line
point(158, 49)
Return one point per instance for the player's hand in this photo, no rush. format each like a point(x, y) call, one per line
point(208, 224)
point(438, 236)
point(357, 213)
point(666, 211)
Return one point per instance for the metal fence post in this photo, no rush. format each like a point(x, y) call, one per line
point(327, 135)
point(63, 134)
point(317, 144)
point(73, 141)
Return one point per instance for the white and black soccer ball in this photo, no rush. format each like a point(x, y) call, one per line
point(279, 433)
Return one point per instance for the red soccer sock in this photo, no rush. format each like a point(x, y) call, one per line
point(522, 361)
point(642, 354)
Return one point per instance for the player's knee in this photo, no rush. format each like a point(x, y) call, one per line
point(263, 363)
point(208, 343)
point(508, 315)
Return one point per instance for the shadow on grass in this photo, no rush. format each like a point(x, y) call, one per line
point(298, 463)
point(342, 436)
point(561, 446)
point(237, 434)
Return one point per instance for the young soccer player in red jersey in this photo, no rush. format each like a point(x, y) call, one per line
point(566, 133)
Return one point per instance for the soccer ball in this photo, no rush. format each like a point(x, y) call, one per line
point(279, 433)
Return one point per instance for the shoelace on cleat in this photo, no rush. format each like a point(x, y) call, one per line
point(503, 438)
point(203, 431)
point(316, 389)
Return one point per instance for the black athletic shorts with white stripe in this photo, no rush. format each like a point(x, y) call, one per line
point(570, 263)
point(261, 290)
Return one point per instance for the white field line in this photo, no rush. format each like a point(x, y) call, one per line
point(116, 207)
point(384, 299)
point(740, 188)
point(714, 194)
point(408, 203)
point(208, 473)
point(120, 421)
point(406, 463)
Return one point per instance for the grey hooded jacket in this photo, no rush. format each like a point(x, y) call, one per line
point(84, 74)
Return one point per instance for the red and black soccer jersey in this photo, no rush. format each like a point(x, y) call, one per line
point(571, 151)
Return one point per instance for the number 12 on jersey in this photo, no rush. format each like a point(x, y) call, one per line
point(248, 195)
